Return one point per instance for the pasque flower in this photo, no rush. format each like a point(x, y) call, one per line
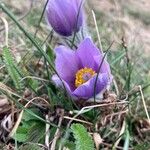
point(65, 16)
point(78, 70)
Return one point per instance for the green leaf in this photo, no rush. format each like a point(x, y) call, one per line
point(70, 145)
point(12, 68)
point(21, 134)
point(36, 133)
point(28, 117)
point(20, 137)
point(83, 140)
point(31, 131)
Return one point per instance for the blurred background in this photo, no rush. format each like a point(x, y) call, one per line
point(116, 19)
point(130, 18)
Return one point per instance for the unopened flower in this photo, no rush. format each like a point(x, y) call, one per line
point(65, 16)
point(78, 70)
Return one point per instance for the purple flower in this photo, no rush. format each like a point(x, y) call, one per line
point(65, 16)
point(78, 70)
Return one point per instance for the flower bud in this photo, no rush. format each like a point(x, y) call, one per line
point(65, 16)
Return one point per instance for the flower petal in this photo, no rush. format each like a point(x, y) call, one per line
point(60, 83)
point(86, 52)
point(86, 90)
point(56, 18)
point(105, 67)
point(78, 4)
point(62, 15)
point(67, 64)
point(57, 81)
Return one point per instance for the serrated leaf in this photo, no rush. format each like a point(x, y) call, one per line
point(30, 130)
point(32, 133)
point(20, 137)
point(21, 134)
point(11, 67)
point(36, 133)
point(83, 140)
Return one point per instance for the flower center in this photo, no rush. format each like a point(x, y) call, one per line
point(83, 75)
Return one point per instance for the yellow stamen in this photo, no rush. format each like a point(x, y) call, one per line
point(83, 75)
